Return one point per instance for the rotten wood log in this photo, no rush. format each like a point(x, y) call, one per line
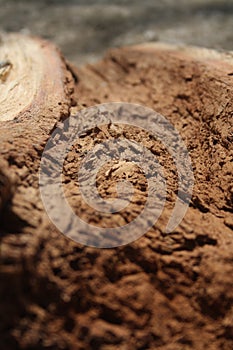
point(164, 291)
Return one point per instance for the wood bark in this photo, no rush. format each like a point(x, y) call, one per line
point(164, 291)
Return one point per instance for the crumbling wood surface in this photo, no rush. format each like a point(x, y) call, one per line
point(164, 291)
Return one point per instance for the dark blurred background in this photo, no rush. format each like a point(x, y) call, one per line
point(84, 29)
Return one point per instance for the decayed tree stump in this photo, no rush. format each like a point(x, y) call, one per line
point(164, 291)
